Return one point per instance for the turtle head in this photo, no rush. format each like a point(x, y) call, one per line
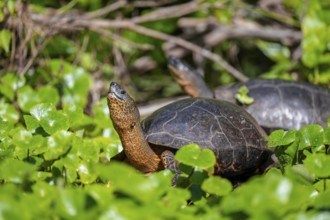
point(123, 110)
point(117, 92)
point(178, 67)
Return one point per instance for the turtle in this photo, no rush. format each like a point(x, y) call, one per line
point(278, 104)
point(227, 129)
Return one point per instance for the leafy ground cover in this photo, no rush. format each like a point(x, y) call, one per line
point(54, 166)
point(56, 139)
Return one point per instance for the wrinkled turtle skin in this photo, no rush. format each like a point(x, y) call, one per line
point(278, 104)
point(230, 132)
point(227, 129)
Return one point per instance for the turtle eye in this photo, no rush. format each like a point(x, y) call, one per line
point(122, 92)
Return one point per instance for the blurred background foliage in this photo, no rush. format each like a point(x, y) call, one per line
point(57, 59)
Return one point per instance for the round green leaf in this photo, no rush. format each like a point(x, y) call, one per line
point(5, 128)
point(192, 155)
point(27, 98)
point(272, 195)
point(42, 110)
point(311, 136)
point(326, 136)
point(25, 140)
point(31, 122)
point(71, 202)
point(15, 171)
point(318, 164)
point(322, 200)
point(8, 112)
point(50, 119)
point(281, 138)
point(9, 84)
point(217, 186)
point(176, 197)
point(76, 84)
point(76, 116)
point(48, 94)
point(54, 121)
point(86, 173)
point(58, 144)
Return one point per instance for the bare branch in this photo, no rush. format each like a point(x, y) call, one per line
point(169, 12)
point(106, 10)
point(121, 39)
point(193, 47)
point(40, 46)
point(66, 23)
point(149, 3)
point(240, 29)
point(222, 33)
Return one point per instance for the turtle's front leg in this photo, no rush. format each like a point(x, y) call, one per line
point(170, 164)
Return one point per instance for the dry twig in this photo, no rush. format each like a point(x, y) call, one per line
point(106, 10)
point(55, 23)
point(66, 23)
point(168, 12)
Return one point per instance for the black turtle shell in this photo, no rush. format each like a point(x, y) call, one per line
point(225, 128)
point(283, 104)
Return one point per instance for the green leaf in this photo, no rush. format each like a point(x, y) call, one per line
point(271, 196)
point(318, 164)
point(217, 186)
point(299, 172)
point(15, 171)
point(77, 118)
point(127, 180)
point(31, 122)
point(121, 177)
point(76, 84)
point(242, 96)
point(28, 98)
point(5, 37)
point(281, 138)
point(176, 197)
point(71, 203)
point(86, 172)
point(192, 155)
point(275, 51)
point(322, 200)
point(197, 177)
point(42, 110)
point(58, 144)
point(49, 118)
point(315, 39)
point(5, 128)
point(326, 136)
point(48, 94)
point(322, 185)
point(9, 84)
point(54, 121)
point(24, 139)
point(8, 112)
point(311, 136)
point(88, 61)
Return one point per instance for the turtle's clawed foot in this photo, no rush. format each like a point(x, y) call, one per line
point(170, 164)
